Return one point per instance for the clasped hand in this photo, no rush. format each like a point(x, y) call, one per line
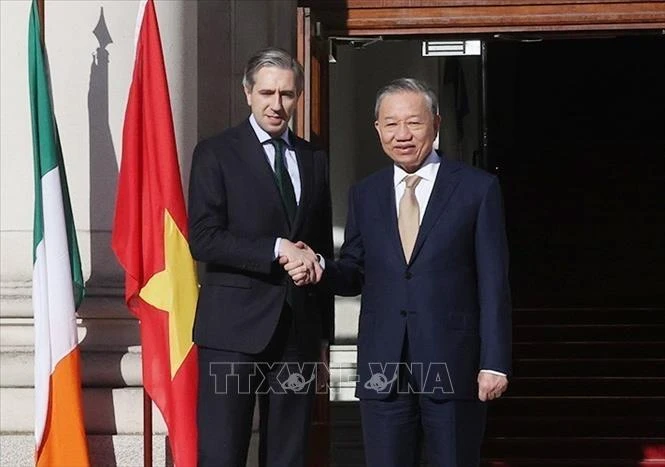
point(300, 262)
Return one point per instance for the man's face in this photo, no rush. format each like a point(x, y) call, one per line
point(406, 128)
point(273, 98)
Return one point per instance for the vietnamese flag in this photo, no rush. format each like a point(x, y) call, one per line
point(150, 242)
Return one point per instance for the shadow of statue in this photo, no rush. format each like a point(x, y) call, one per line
point(111, 332)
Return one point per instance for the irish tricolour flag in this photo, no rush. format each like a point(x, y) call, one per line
point(57, 284)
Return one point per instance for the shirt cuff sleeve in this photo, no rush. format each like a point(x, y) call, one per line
point(275, 254)
point(322, 261)
point(498, 373)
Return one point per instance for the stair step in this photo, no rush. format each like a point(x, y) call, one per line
point(546, 463)
point(574, 427)
point(586, 386)
point(578, 406)
point(589, 332)
point(589, 366)
point(104, 450)
point(544, 449)
point(589, 349)
point(543, 406)
point(536, 462)
point(110, 369)
point(589, 316)
point(107, 411)
point(553, 426)
point(580, 448)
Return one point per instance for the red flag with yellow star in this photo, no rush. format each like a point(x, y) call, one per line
point(150, 242)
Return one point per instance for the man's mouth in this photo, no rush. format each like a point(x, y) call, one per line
point(404, 148)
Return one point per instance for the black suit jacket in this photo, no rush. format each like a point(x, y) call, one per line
point(235, 215)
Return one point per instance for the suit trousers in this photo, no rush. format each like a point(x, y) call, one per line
point(282, 379)
point(393, 428)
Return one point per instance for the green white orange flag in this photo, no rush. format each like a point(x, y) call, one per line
point(57, 282)
point(150, 242)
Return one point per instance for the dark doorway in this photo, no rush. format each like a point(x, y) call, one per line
point(577, 134)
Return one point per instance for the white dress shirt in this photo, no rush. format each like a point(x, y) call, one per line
point(289, 159)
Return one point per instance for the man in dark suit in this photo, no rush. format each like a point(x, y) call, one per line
point(254, 189)
point(425, 244)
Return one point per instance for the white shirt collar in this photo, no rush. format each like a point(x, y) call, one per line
point(263, 135)
point(427, 171)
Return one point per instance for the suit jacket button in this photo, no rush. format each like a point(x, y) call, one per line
point(402, 312)
point(408, 275)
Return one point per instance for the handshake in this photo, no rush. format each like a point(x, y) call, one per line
point(300, 262)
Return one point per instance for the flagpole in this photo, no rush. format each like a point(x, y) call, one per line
point(147, 429)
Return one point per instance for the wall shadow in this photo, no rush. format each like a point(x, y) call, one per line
point(108, 335)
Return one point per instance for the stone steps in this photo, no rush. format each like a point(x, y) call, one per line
point(105, 450)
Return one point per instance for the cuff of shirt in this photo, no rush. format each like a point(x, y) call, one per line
point(322, 261)
point(498, 373)
point(275, 254)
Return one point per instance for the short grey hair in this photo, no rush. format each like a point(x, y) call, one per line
point(273, 56)
point(408, 85)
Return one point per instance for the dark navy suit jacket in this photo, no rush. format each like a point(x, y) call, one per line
point(235, 215)
point(452, 298)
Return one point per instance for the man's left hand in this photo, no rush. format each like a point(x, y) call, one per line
point(491, 386)
point(300, 273)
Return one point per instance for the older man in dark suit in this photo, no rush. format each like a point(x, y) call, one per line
point(425, 243)
point(254, 190)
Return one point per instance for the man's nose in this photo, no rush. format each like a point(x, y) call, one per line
point(276, 103)
point(403, 132)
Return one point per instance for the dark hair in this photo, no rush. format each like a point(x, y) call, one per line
point(273, 56)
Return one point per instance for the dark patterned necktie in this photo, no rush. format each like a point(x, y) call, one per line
point(284, 180)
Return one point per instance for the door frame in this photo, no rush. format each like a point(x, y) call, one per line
point(417, 17)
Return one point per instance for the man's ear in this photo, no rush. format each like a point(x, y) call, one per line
point(376, 126)
point(248, 94)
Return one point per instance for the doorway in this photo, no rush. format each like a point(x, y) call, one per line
point(576, 133)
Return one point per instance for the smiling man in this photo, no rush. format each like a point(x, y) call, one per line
point(425, 244)
point(254, 190)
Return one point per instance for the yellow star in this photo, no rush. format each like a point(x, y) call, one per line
point(175, 290)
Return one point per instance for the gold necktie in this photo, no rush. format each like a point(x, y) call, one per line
point(409, 215)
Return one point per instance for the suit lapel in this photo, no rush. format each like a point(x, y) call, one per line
point(252, 152)
point(444, 186)
point(306, 169)
point(388, 211)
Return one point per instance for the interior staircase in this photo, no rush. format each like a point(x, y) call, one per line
point(588, 390)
